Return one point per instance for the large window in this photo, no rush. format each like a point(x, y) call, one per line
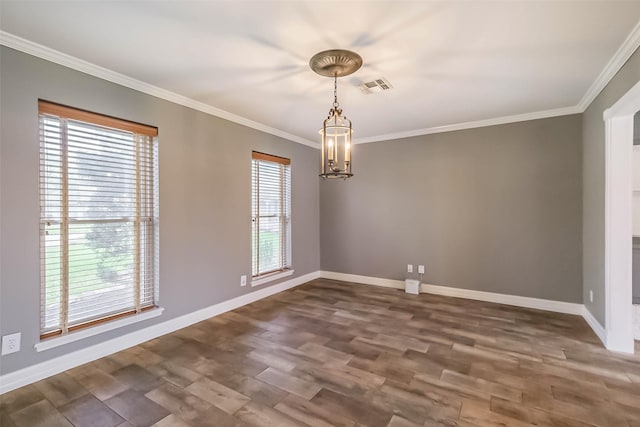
point(271, 214)
point(98, 218)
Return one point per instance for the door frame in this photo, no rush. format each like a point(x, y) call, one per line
point(618, 221)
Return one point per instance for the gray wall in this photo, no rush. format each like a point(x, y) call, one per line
point(515, 209)
point(593, 185)
point(205, 197)
point(494, 209)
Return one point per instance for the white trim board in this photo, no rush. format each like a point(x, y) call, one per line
point(43, 52)
point(45, 369)
point(618, 221)
point(50, 367)
point(624, 52)
point(97, 329)
point(628, 47)
point(594, 324)
point(518, 301)
point(565, 111)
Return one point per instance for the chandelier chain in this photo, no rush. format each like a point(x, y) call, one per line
point(335, 90)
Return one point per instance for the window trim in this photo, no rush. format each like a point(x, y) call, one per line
point(286, 269)
point(140, 312)
point(270, 277)
point(94, 322)
point(97, 329)
point(257, 155)
point(62, 111)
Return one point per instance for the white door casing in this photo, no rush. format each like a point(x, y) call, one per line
point(618, 223)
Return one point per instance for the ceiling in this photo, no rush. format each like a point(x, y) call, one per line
point(449, 62)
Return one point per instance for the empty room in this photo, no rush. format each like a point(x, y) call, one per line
point(319, 213)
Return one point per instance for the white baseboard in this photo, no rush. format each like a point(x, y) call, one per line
point(528, 302)
point(636, 321)
point(54, 366)
point(594, 324)
point(518, 301)
point(367, 280)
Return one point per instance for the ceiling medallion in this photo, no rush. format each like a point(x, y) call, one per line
point(336, 132)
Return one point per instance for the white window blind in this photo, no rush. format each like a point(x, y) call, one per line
point(271, 214)
point(99, 218)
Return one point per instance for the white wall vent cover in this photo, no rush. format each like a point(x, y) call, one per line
point(375, 86)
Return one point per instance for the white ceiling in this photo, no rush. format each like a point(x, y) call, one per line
point(449, 62)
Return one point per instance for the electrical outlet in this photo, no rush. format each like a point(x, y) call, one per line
point(421, 269)
point(243, 280)
point(590, 296)
point(11, 343)
point(409, 268)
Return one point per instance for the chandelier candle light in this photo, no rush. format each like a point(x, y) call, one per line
point(336, 130)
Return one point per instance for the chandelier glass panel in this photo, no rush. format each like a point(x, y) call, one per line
point(336, 136)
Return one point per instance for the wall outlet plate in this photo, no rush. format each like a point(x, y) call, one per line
point(243, 280)
point(421, 269)
point(409, 268)
point(11, 343)
point(590, 296)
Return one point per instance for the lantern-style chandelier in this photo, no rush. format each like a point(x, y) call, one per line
point(336, 133)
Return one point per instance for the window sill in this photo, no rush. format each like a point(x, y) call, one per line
point(95, 330)
point(261, 280)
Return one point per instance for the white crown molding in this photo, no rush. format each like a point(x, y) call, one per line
point(50, 367)
point(624, 52)
point(628, 47)
point(43, 52)
point(472, 125)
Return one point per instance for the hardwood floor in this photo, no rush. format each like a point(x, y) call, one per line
point(331, 353)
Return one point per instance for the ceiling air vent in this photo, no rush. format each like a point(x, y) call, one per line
point(375, 86)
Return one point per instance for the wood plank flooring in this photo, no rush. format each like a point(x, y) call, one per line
point(332, 353)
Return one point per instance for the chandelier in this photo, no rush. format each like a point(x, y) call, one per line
point(336, 133)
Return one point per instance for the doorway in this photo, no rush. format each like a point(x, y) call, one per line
point(618, 221)
point(635, 291)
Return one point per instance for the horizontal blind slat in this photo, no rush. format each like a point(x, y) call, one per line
point(111, 185)
point(270, 204)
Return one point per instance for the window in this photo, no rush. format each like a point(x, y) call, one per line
point(271, 214)
point(98, 218)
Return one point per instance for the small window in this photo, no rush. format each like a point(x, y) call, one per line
point(271, 214)
point(98, 218)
